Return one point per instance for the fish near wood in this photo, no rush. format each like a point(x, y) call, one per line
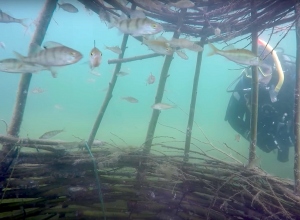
point(50, 134)
point(241, 56)
point(5, 18)
point(54, 54)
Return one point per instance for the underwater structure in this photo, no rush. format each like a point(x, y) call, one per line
point(55, 180)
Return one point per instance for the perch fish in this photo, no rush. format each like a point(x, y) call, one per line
point(5, 18)
point(159, 45)
point(68, 7)
point(162, 106)
point(55, 54)
point(16, 66)
point(151, 79)
point(183, 4)
point(95, 57)
point(137, 26)
point(130, 99)
point(50, 134)
point(241, 56)
point(114, 49)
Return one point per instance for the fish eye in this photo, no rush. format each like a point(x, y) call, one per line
point(154, 25)
point(73, 53)
point(92, 54)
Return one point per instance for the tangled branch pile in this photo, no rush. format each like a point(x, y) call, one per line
point(53, 183)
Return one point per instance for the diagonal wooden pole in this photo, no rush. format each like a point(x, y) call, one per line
point(297, 106)
point(160, 91)
point(41, 29)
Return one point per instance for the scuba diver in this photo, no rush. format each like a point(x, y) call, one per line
point(275, 123)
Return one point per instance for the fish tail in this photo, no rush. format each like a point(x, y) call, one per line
point(59, 5)
point(213, 51)
point(25, 22)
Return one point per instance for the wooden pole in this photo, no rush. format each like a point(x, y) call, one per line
point(109, 91)
point(41, 28)
point(297, 106)
point(254, 93)
point(160, 90)
point(193, 103)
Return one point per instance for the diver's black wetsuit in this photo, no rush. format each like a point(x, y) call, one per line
point(275, 127)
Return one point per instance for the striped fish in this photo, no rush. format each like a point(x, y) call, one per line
point(137, 26)
point(5, 18)
point(50, 134)
point(54, 55)
point(16, 66)
point(241, 56)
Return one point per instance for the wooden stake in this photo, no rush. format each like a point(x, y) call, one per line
point(42, 26)
point(254, 92)
point(297, 106)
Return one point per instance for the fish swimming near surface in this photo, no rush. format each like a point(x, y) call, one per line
point(161, 106)
point(183, 4)
point(54, 54)
point(130, 99)
point(50, 134)
point(241, 56)
point(151, 79)
point(136, 26)
point(95, 57)
point(68, 7)
point(5, 18)
point(159, 45)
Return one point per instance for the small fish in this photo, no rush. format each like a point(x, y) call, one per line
point(161, 106)
point(58, 107)
point(5, 18)
point(95, 57)
point(237, 138)
point(151, 79)
point(55, 54)
point(68, 7)
point(130, 99)
point(114, 49)
point(2, 45)
point(159, 45)
point(122, 73)
point(137, 26)
point(183, 4)
point(185, 43)
point(16, 66)
point(37, 90)
point(241, 56)
point(182, 54)
point(217, 31)
point(50, 134)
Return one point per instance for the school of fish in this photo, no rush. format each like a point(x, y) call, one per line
point(53, 54)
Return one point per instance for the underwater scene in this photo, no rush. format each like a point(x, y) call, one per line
point(74, 66)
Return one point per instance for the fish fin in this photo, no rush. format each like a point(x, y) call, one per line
point(51, 44)
point(213, 49)
point(137, 14)
point(53, 72)
point(19, 56)
point(35, 48)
